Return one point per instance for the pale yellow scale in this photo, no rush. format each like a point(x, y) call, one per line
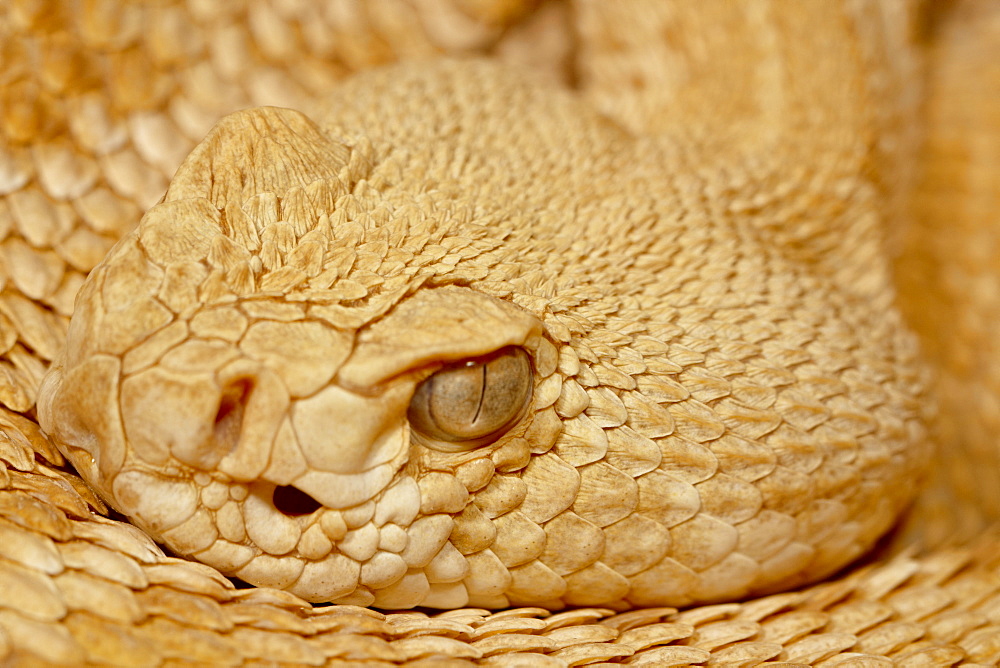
point(395, 355)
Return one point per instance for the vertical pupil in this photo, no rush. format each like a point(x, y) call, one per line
point(482, 393)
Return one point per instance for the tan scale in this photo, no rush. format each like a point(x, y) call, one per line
point(723, 401)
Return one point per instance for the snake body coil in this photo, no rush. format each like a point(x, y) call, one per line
point(484, 353)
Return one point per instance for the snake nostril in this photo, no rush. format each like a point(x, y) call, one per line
point(293, 501)
point(229, 416)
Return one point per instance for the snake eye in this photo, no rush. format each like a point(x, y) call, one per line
point(472, 403)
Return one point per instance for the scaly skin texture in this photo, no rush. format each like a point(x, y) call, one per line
point(717, 411)
point(725, 401)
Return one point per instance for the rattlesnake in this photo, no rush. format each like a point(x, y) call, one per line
point(451, 335)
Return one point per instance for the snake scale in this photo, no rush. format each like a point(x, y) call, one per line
point(471, 306)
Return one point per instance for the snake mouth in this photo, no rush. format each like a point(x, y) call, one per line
point(293, 502)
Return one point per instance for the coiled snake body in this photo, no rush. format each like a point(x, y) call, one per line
point(686, 438)
point(449, 335)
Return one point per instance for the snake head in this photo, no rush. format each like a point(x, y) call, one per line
point(432, 354)
point(235, 399)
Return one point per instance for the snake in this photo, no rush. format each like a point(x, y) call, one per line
point(446, 333)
